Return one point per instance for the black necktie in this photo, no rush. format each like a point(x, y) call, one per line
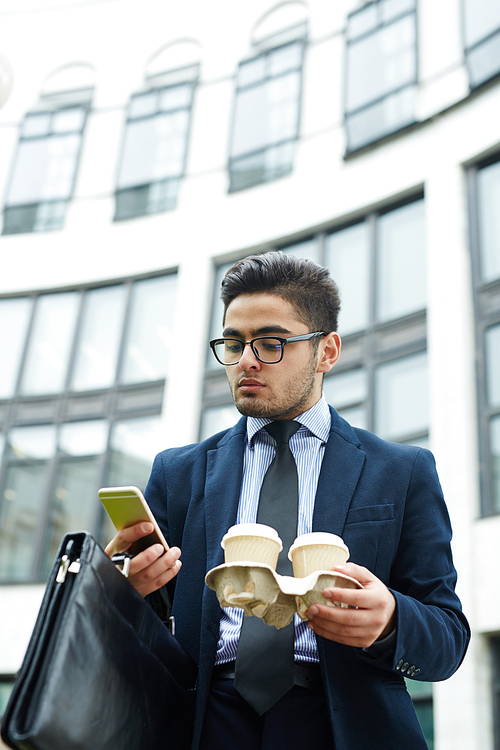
point(264, 660)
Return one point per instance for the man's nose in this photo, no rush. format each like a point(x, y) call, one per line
point(248, 360)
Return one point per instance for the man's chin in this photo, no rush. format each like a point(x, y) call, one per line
point(252, 407)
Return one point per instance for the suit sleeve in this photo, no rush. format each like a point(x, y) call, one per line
point(432, 633)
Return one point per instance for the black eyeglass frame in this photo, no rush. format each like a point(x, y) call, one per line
point(283, 341)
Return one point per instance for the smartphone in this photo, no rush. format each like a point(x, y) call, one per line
point(126, 506)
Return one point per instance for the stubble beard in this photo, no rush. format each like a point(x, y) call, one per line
point(295, 402)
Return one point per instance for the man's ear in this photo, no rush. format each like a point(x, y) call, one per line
point(329, 352)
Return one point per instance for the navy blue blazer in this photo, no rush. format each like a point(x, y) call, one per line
point(384, 499)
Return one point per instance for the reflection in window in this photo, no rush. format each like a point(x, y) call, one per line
point(217, 313)
point(421, 695)
point(401, 272)
point(495, 463)
point(154, 149)
point(488, 189)
point(401, 398)
point(72, 504)
point(149, 338)
point(381, 70)
point(493, 366)
point(308, 249)
point(347, 254)
point(218, 418)
point(134, 444)
point(14, 319)
point(266, 116)
point(346, 389)
point(21, 503)
point(99, 341)
point(50, 343)
point(482, 39)
point(44, 170)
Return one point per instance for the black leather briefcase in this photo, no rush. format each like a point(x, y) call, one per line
point(102, 671)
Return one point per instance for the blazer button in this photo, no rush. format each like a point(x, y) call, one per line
point(416, 672)
point(399, 664)
point(410, 670)
point(405, 666)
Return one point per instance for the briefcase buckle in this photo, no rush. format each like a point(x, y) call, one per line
point(122, 562)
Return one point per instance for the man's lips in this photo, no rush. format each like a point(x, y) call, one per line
point(248, 385)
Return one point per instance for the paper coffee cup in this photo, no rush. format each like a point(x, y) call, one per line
point(252, 542)
point(317, 551)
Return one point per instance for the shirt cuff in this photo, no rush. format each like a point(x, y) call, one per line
point(382, 646)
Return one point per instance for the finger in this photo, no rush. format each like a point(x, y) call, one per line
point(361, 574)
point(126, 537)
point(153, 568)
point(359, 598)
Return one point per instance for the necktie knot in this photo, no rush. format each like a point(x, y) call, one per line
point(282, 430)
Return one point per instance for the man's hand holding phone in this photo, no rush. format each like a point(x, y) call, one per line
point(153, 567)
point(153, 563)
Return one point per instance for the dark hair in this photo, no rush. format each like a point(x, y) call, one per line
point(307, 286)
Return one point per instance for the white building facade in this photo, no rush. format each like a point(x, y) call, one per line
point(146, 146)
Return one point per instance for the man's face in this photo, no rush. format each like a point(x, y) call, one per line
point(276, 391)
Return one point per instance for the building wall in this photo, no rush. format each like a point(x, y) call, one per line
point(326, 188)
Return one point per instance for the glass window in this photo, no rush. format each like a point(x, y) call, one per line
point(308, 249)
point(347, 254)
point(346, 388)
point(72, 504)
point(6, 685)
point(401, 397)
point(14, 318)
point(381, 71)
point(266, 116)
point(50, 343)
point(488, 189)
point(347, 392)
point(218, 418)
point(495, 684)
point(134, 443)
point(99, 341)
point(217, 313)
point(482, 39)
point(421, 695)
point(149, 337)
point(154, 150)
point(401, 272)
point(22, 500)
point(493, 366)
point(495, 463)
point(44, 170)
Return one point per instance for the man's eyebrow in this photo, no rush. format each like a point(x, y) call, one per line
point(263, 331)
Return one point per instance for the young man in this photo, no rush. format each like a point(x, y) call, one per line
point(383, 499)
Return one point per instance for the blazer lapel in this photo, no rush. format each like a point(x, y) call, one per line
point(222, 490)
point(340, 471)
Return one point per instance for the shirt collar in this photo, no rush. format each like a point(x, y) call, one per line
point(317, 420)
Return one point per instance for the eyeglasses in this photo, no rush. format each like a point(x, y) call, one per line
point(267, 349)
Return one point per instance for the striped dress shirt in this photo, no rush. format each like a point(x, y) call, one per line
point(308, 448)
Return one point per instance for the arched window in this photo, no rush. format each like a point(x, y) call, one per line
point(156, 134)
point(44, 171)
point(267, 101)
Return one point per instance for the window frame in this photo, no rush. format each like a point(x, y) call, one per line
point(265, 49)
point(50, 106)
point(470, 49)
point(382, 136)
point(486, 301)
point(157, 84)
point(113, 404)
